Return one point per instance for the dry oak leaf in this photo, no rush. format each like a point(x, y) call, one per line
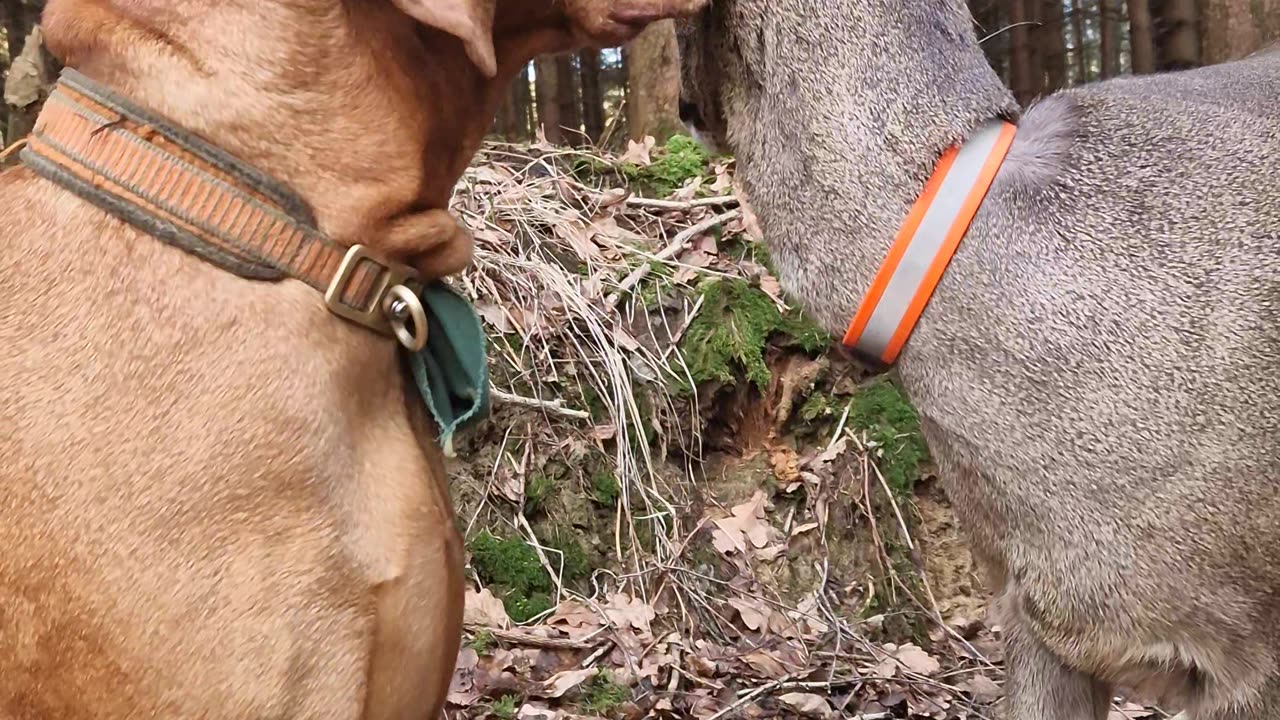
point(755, 614)
point(910, 658)
point(638, 152)
point(626, 611)
point(485, 610)
point(766, 665)
point(462, 690)
point(746, 524)
point(534, 712)
point(982, 688)
point(808, 704)
point(560, 683)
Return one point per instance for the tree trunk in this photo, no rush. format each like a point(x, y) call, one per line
point(1034, 11)
point(1077, 43)
point(567, 99)
point(547, 87)
point(522, 102)
point(989, 15)
point(592, 97)
point(1179, 37)
point(1053, 45)
point(1020, 53)
point(1142, 51)
point(1267, 15)
point(1227, 30)
point(653, 78)
point(1109, 37)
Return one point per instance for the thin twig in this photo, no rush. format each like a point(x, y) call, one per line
point(749, 697)
point(674, 248)
point(718, 201)
point(552, 406)
point(513, 637)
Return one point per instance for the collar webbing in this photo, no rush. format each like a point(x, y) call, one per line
point(180, 189)
point(926, 242)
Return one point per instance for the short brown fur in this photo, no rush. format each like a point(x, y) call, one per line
point(219, 500)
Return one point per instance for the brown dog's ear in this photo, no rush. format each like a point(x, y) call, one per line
point(471, 21)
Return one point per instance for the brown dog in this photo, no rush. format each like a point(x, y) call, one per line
point(215, 503)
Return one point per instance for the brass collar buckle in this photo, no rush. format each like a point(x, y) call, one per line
point(393, 307)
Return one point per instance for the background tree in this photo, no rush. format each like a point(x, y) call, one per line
point(653, 80)
point(611, 95)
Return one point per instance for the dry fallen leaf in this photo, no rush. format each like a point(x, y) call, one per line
point(724, 180)
point(689, 191)
point(755, 614)
point(560, 683)
point(638, 152)
point(625, 611)
point(909, 658)
point(462, 690)
point(27, 72)
point(808, 704)
point(982, 688)
point(577, 619)
point(494, 316)
point(766, 665)
point(484, 609)
point(535, 712)
point(746, 524)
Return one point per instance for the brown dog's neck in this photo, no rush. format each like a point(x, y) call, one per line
point(324, 102)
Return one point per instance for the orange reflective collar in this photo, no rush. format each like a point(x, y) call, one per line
point(926, 243)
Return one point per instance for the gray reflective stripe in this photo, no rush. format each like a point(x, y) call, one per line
point(923, 247)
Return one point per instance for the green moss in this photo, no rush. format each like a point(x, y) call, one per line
point(677, 162)
point(537, 492)
point(505, 707)
point(736, 323)
point(482, 642)
point(577, 563)
point(602, 696)
point(604, 488)
point(893, 427)
point(816, 407)
point(513, 571)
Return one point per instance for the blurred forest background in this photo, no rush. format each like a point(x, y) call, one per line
point(1038, 46)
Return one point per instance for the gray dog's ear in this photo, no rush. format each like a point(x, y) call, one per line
point(471, 21)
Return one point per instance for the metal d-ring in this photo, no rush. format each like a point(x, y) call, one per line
point(401, 304)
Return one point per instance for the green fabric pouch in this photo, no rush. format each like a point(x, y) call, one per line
point(452, 371)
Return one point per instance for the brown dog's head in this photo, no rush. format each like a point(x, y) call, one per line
point(370, 109)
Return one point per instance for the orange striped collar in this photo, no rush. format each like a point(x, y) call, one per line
point(926, 243)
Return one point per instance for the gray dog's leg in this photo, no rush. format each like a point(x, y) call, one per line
point(1040, 687)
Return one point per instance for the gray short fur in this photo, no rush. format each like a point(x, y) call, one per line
point(1099, 370)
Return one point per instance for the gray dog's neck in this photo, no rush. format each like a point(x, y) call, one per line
point(909, 81)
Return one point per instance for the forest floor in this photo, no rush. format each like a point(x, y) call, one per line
point(684, 503)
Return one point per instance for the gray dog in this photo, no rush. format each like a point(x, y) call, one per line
point(1097, 369)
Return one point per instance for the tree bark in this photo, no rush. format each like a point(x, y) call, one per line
point(1053, 45)
point(567, 99)
point(1227, 30)
point(1109, 38)
point(1267, 15)
point(592, 96)
point(1142, 51)
point(653, 79)
point(989, 15)
point(547, 88)
point(1179, 36)
point(1034, 11)
point(522, 102)
point(1080, 61)
point(1020, 53)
